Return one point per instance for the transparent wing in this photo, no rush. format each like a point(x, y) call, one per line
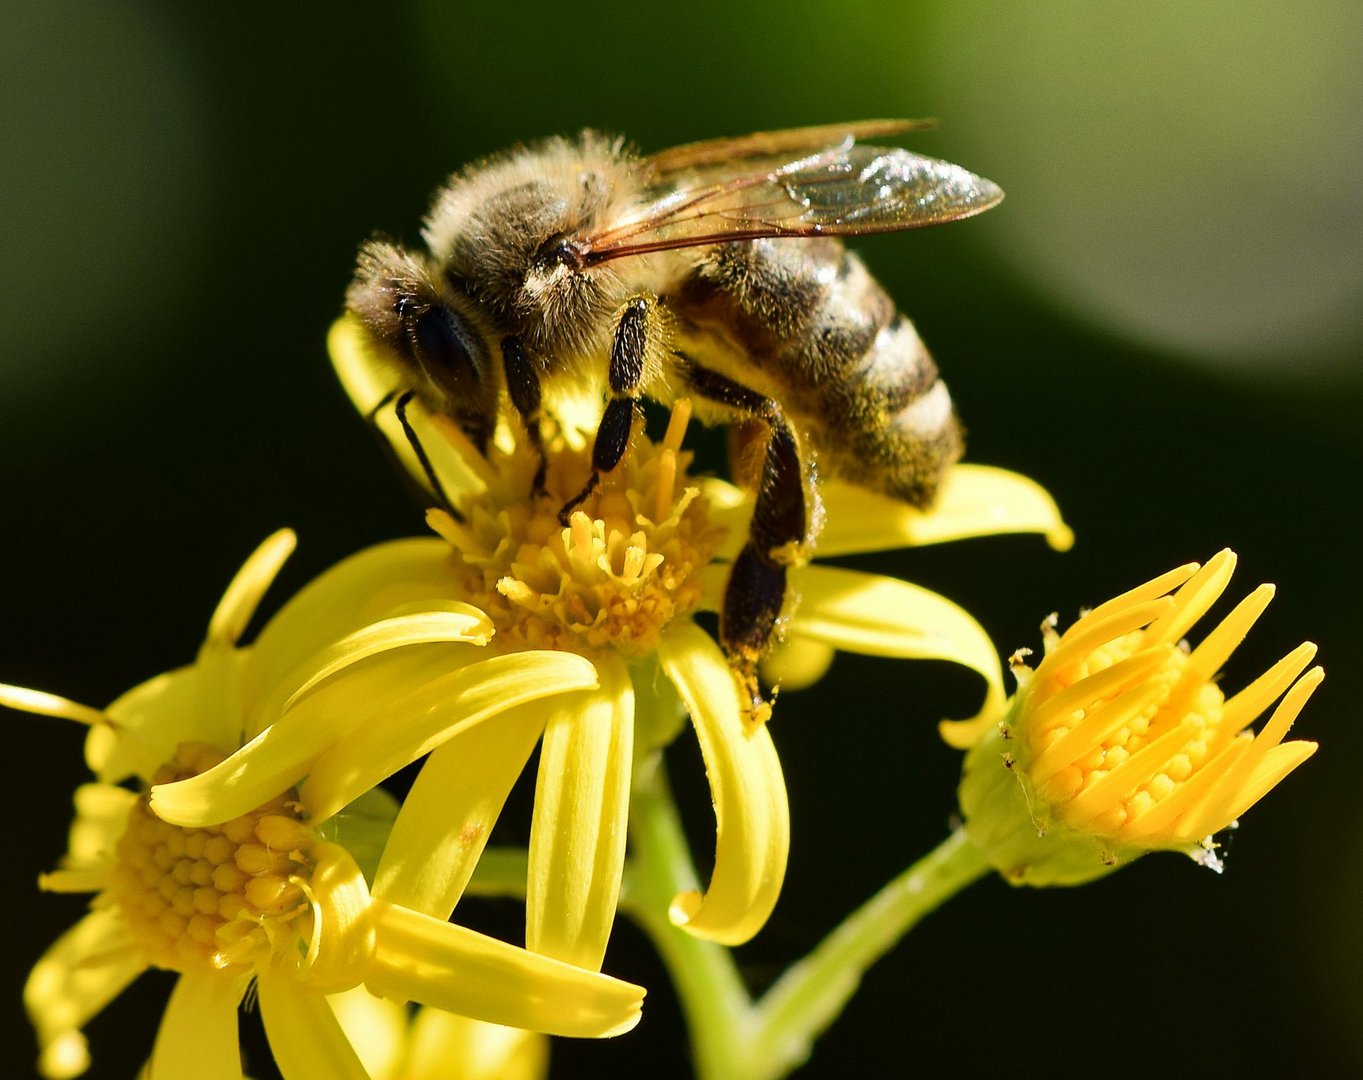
point(792, 143)
point(845, 190)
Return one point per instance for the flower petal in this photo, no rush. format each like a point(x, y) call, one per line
point(342, 942)
point(81, 972)
point(148, 722)
point(101, 817)
point(577, 836)
point(421, 722)
point(439, 622)
point(449, 967)
point(973, 500)
point(283, 753)
point(368, 586)
point(366, 380)
point(447, 816)
point(370, 382)
point(244, 594)
point(449, 1047)
point(882, 616)
point(377, 1029)
point(306, 1039)
point(751, 811)
point(797, 663)
point(198, 1033)
point(44, 704)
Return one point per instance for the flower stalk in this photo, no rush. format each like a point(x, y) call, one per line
point(733, 1037)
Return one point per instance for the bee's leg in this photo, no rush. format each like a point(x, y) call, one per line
point(756, 591)
point(523, 384)
point(638, 328)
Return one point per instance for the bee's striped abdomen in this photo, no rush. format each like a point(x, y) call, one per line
point(811, 321)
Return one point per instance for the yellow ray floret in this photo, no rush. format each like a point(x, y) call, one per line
point(248, 888)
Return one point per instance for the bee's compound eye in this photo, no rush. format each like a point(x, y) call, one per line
point(559, 251)
point(448, 350)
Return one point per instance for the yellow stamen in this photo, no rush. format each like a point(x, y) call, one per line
point(627, 562)
point(212, 897)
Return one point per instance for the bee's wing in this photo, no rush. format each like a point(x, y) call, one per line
point(844, 190)
point(792, 142)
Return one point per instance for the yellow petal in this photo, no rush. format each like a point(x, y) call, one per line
point(751, 812)
point(439, 622)
point(81, 972)
point(797, 663)
point(974, 500)
point(447, 816)
point(342, 944)
point(883, 616)
point(370, 380)
point(283, 753)
point(449, 967)
point(366, 379)
point(376, 1028)
point(244, 594)
point(306, 1040)
point(149, 721)
point(714, 577)
point(198, 1033)
point(450, 1047)
point(577, 837)
point(368, 586)
point(421, 722)
point(101, 816)
point(42, 704)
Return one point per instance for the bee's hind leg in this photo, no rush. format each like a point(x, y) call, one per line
point(756, 592)
point(638, 331)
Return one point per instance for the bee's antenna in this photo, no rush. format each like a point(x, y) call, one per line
point(400, 411)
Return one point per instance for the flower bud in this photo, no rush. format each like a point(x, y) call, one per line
point(1120, 742)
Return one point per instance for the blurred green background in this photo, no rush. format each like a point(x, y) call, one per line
point(1162, 324)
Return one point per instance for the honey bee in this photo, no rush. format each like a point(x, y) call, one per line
point(712, 271)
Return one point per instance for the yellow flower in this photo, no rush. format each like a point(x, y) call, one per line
point(618, 584)
point(1120, 742)
point(396, 1042)
point(274, 895)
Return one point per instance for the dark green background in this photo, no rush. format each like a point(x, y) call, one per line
point(182, 196)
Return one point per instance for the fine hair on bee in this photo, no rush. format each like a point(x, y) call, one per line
point(714, 271)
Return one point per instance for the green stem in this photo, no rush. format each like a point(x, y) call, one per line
point(801, 1005)
point(708, 985)
point(731, 1038)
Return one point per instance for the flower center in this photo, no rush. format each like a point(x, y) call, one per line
point(625, 565)
point(1166, 729)
point(218, 896)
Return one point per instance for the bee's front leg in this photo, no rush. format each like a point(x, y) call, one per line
point(523, 387)
point(640, 333)
point(756, 591)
